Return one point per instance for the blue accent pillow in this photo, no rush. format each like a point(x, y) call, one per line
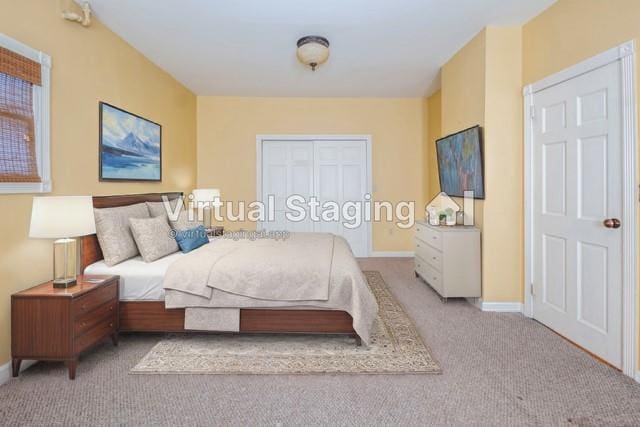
point(192, 238)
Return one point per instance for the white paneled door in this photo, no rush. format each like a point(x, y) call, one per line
point(331, 170)
point(577, 174)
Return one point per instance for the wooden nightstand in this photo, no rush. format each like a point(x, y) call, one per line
point(49, 323)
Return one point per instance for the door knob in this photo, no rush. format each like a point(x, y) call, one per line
point(611, 223)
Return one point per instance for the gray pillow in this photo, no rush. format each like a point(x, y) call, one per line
point(183, 222)
point(114, 233)
point(153, 237)
point(158, 208)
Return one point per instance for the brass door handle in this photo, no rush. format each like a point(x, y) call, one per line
point(612, 223)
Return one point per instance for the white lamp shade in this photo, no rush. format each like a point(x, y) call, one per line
point(62, 216)
point(205, 194)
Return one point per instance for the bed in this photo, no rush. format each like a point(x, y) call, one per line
point(145, 301)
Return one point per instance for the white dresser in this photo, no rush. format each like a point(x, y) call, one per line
point(448, 259)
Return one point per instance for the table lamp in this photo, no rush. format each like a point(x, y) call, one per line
point(206, 195)
point(62, 218)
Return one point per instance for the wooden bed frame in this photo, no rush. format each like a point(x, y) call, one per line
point(152, 316)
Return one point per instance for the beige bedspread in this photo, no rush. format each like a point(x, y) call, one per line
point(308, 270)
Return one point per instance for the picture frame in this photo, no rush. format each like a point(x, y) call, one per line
point(129, 146)
point(460, 158)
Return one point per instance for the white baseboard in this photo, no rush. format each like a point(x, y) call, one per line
point(498, 307)
point(5, 370)
point(392, 254)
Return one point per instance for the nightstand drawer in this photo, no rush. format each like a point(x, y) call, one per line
point(101, 330)
point(95, 299)
point(88, 320)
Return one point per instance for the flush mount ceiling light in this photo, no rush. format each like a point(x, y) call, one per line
point(313, 50)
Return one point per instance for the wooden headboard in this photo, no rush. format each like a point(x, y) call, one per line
point(90, 251)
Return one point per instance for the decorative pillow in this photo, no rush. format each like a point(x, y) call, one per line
point(114, 233)
point(183, 222)
point(159, 209)
point(153, 237)
point(189, 240)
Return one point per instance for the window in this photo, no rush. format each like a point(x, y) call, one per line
point(24, 118)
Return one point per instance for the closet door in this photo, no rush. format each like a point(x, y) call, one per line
point(330, 170)
point(340, 175)
point(287, 169)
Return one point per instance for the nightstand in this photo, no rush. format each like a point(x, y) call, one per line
point(215, 231)
point(50, 323)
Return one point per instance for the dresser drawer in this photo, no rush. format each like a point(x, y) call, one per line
point(421, 248)
point(421, 267)
point(433, 258)
point(88, 320)
point(429, 274)
point(101, 330)
point(428, 253)
point(95, 299)
point(434, 278)
point(431, 236)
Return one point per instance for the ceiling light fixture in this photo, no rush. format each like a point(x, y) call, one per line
point(313, 50)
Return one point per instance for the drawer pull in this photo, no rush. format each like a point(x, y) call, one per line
point(111, 308)
point(434, 238)
point(433, 258)
point(435, 278)
point(111, 325)
point(418, 245)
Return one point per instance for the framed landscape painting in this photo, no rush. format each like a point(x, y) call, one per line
point(130, 146)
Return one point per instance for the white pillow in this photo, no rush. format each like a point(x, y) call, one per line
point(114, 232)
point(153, 237)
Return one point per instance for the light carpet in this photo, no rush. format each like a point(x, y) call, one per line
point(498, 369)
point(395, 348)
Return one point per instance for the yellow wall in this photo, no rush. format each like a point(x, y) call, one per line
point(481, 84)
point(463, 87)
point(89, 64)
point(463, 93)
point(503, 226)
point(434, 128)
point(573, 30)
point(227, 129)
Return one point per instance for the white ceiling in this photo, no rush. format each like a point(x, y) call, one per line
point(383, 48)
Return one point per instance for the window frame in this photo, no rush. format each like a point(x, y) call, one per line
point(41, 120)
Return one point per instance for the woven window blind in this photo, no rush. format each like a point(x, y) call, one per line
point(18, 162)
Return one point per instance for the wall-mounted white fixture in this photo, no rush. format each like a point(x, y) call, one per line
point(84, 19)
point(313, 50)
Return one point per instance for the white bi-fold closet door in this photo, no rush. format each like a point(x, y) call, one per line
point(331, 170)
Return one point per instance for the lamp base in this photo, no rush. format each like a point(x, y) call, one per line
point(64, 263)
point(64, 283)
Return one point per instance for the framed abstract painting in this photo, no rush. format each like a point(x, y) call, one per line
point(460, 163)
point(130, 146)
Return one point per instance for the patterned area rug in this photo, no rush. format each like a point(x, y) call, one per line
point(396, 348)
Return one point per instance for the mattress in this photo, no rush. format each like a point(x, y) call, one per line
point(139, 280)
